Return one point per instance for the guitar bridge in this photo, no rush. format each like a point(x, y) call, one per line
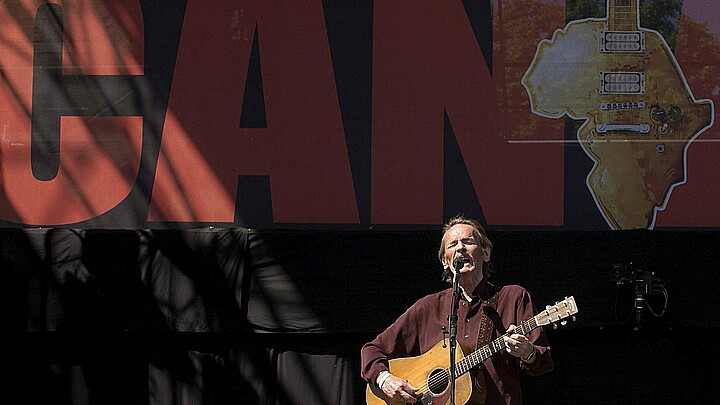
point(426, 399)
point(625, 128)
point(622, 106)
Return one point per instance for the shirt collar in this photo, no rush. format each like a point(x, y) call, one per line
point(483, 291)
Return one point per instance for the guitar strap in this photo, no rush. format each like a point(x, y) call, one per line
point(484, 336)
point(486, 325)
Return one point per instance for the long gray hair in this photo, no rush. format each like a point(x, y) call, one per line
point(447, 274)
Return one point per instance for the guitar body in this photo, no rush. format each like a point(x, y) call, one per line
point(420, 369)
point(639, 113)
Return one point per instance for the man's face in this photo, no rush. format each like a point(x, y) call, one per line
point(463, 241)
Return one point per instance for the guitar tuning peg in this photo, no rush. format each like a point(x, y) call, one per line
point(555, 326)
point(574, 318)
point(563, 323)
point(548, 306)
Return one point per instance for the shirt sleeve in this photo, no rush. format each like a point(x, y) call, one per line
point(544, 363)
point(398, 340)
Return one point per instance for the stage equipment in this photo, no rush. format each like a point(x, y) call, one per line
point(644, 284)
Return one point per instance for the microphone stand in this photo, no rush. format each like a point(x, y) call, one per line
point(453, 326)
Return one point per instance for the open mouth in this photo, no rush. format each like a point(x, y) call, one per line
point(463, 261)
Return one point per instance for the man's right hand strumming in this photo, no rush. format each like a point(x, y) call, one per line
point(397, 388)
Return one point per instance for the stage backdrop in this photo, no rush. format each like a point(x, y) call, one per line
point(527, 114)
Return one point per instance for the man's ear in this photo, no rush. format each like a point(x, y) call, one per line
point(487, 250)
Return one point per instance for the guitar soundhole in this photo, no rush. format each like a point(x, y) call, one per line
point(438, 381)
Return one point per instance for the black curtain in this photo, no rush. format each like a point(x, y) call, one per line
point(233, 316)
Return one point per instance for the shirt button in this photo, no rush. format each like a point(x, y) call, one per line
point(466, 336)
point(467, 320)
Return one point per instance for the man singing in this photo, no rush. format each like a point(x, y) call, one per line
point(485, 312)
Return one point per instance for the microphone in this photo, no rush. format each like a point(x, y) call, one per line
point(459, 263)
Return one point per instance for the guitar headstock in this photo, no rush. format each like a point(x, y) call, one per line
point(558, 312)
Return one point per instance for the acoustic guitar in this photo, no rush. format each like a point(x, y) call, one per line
point(430, 372)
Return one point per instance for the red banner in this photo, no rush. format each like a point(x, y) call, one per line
point(355, 114)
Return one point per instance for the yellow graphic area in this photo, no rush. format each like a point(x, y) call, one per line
point(639, 113)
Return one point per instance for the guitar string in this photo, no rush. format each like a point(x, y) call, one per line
point(497, 344)
point(525, 328)
point(444, 377)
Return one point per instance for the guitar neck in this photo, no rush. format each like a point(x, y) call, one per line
point(485, 352)
point(623, 15)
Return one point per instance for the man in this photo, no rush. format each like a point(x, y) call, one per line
point(482, 306)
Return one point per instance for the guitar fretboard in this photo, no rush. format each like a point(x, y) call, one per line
point(484, 353)
point(623, 15)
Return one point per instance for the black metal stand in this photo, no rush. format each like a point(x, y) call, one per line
point(453, 333)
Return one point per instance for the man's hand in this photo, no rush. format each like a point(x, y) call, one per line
point(399, 389)
point(518, 345)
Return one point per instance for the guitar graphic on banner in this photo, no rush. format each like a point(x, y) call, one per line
point(639, 113)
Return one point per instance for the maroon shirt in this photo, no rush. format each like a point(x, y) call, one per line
point(421, 327)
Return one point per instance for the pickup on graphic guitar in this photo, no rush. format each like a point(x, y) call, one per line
point(431, 371)
point(639, 113)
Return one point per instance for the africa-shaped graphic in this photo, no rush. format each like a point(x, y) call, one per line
point(639, 113)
